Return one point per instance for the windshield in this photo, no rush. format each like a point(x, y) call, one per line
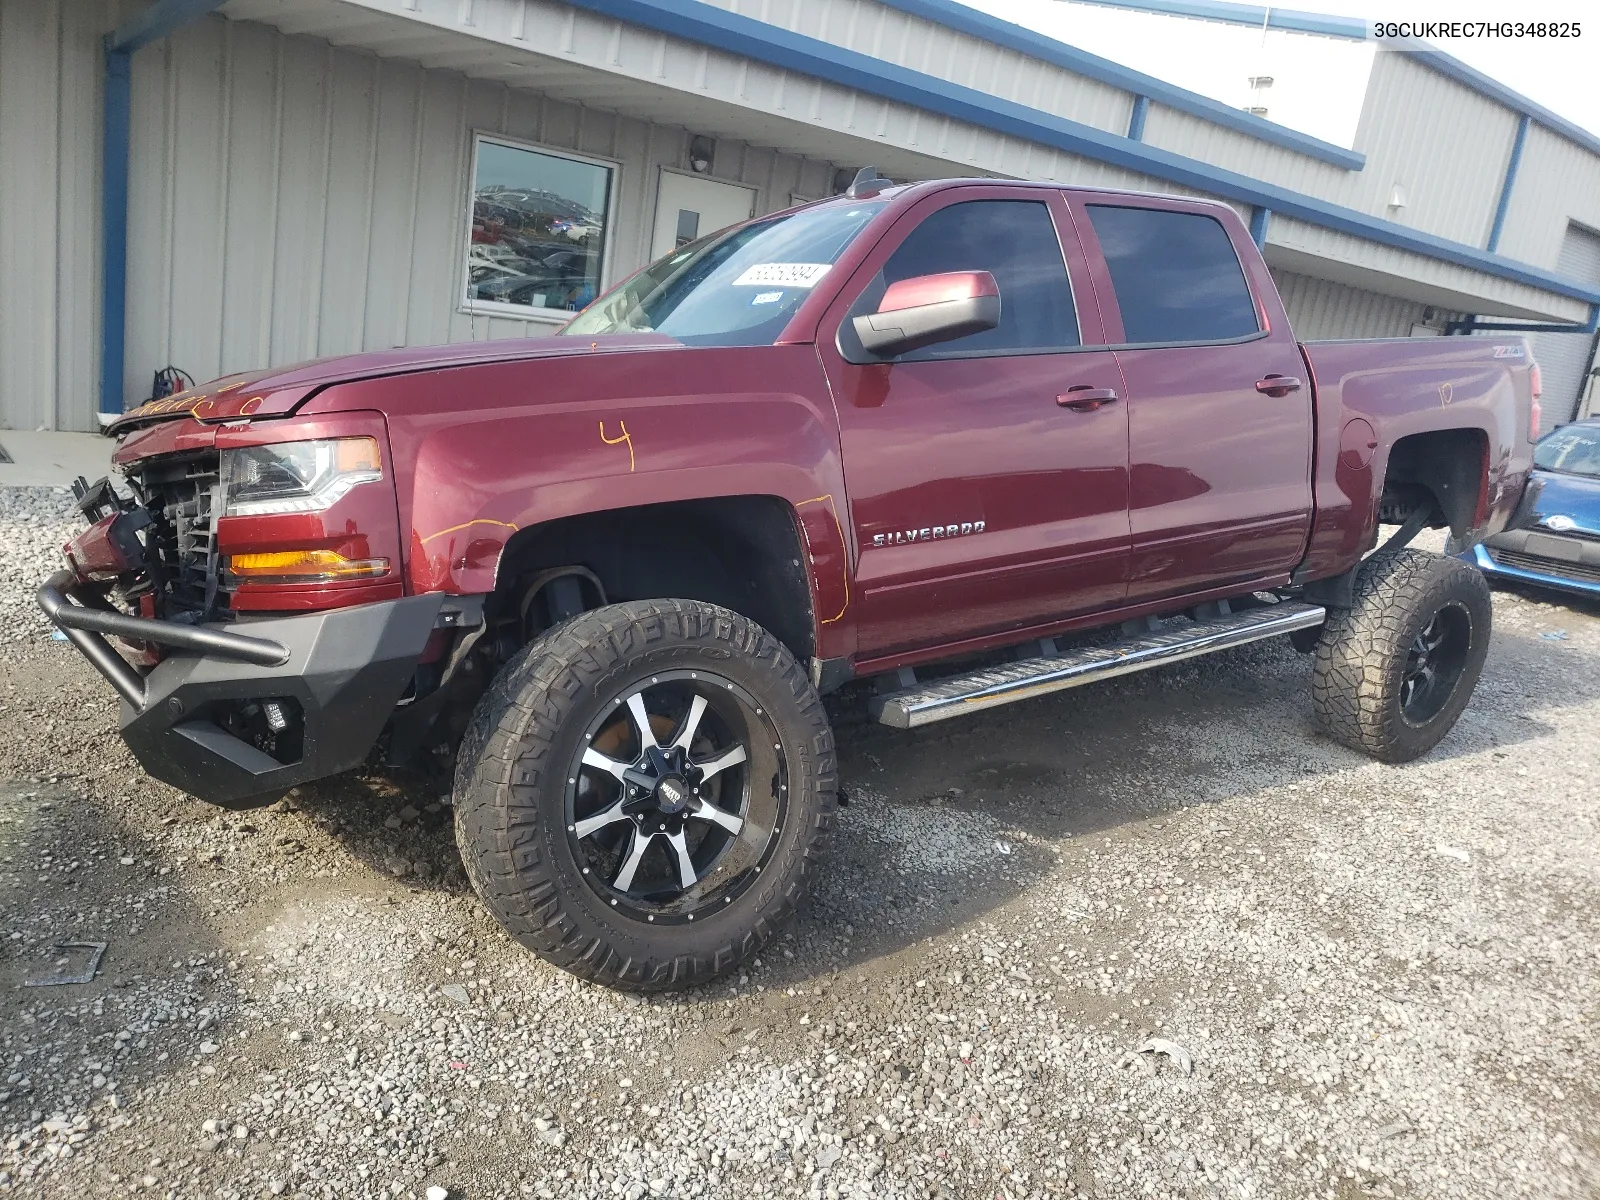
point(1574, 449)
point(734, 288)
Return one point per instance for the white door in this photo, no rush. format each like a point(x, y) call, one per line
point(691, 206)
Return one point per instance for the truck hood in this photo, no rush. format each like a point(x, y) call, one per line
point(1561, 502)
point(279, 391)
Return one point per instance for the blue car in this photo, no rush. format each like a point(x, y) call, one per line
point(1553, 540)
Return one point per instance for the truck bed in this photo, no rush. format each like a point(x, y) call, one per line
point(1371, 394)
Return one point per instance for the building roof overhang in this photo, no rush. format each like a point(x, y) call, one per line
point(689, 63)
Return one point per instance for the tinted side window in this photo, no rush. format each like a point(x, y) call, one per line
point(1176, 276)
point(1015, 241)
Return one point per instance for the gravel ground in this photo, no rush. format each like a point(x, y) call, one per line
point(1369, 980)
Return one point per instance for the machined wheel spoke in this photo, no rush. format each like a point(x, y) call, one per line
point(641, 721)
point(722, 762)
point(630, 865)
point(710, 812)
point(686, 872)
point(600, 820)
point(656, 845)
point(600, 762)
point(690, 724)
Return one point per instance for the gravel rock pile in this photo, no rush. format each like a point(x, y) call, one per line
point(1365, 980)
point(34, 522)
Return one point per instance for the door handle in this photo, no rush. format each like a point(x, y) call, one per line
point(1084, 398)
point(1277, 385)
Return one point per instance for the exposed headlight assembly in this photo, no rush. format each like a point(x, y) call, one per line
point(296, 477)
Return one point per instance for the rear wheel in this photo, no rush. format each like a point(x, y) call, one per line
point(643, 793)
point(1395, 671)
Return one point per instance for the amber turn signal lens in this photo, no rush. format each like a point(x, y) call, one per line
point(303, 566)
point(356, 454)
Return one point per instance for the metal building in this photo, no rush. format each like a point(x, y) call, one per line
point(226, 184)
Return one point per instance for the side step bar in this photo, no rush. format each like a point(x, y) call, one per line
point(991, 687)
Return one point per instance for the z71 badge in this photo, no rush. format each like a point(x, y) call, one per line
point(926, 534)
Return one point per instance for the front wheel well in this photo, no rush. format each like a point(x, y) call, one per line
point(743, 553)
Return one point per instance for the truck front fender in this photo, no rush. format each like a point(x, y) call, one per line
point(580, 435)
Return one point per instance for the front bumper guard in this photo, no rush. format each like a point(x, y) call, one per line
point(345, 668)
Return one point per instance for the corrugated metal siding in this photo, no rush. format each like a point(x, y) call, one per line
point(1296, 245)
point(293, 200)
point(922, 45)
point(293, 197)
point(580, 54)
point(1557, 182)
point(1195, 137)
point(1320, 308)
point(696, 84)
point(1444, 144)
point(49, 211)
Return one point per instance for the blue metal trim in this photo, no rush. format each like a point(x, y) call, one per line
point(1454, 68)
point(1512, 164)
point(114, 227)
point(156, 22)
point(1259, 219)
point(1248, 14)
point(1473, 324)
point(1036, 45)
point(778, 47)
point(1141, 109)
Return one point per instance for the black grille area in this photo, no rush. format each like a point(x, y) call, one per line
point(1545, 566)
point(182, 496)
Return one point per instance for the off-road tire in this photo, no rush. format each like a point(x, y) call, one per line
point(510, 790)
point(1361, 657)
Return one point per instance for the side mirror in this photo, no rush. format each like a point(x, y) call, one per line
point(929, 309)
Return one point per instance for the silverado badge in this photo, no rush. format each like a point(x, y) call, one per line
point(902, 537)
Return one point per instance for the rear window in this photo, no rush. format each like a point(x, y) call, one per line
point(1175, 274)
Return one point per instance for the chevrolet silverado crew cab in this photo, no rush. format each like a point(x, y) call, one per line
point(924, 436)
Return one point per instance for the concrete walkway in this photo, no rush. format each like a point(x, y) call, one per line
point(39, 458)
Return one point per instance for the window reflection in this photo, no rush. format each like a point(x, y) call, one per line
point(538, 228)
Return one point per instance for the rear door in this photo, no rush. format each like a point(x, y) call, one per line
point(1219, 409)
point(982, 499)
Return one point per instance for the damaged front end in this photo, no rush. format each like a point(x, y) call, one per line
point(231, 707)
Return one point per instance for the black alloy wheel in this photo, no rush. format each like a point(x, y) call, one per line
point(1395, 670)
point(1434, 664)
point(644, 792)
point(676, 797)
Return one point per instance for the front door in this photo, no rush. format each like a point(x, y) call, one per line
point(987, 494)
point(1218, 397)
point(691, 206)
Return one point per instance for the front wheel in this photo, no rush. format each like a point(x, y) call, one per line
point(1394, 672)
point(644, 792)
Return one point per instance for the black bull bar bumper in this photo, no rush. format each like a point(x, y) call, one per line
point(341, 673)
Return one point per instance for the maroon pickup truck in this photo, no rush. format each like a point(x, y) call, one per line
point(924, 436)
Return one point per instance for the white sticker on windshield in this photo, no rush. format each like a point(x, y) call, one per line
point(767, 298)
point(802, 275)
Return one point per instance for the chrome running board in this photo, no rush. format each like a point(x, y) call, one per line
point(990, 687)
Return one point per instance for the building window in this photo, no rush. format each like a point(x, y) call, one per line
point(1175, 274)
point(540, 222)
